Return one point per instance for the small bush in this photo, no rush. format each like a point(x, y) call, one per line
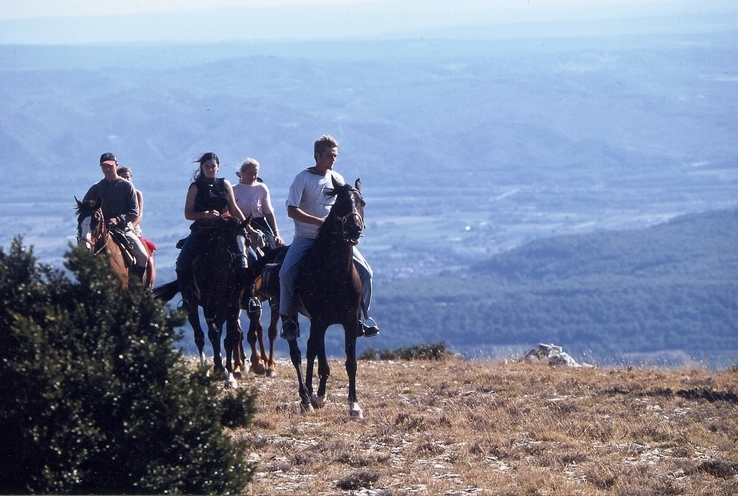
point(434, 351)
point(95, 399)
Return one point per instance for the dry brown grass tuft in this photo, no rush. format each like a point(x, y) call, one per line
point(518, 428)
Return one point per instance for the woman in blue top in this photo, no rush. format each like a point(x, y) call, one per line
point(208, 199)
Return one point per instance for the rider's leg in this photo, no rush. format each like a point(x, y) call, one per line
point(139, 252)
point(287, 278)
point(365, 274)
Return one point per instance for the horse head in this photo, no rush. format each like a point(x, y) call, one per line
point(225, 235)
point(90, 223)
point(347, 215)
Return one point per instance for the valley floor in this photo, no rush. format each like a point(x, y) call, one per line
point(465, 427)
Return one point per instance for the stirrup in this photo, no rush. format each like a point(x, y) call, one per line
point(369, 331)
point(254, 305)
point(290, 330)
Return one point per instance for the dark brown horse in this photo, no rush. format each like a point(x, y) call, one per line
point(93, 233)
point(218, 288)
point(330, 290)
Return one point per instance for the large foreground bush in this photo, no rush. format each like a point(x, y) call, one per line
point(93, 396)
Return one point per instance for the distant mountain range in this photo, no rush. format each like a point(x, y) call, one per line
point(466, 150)
point(602, 296)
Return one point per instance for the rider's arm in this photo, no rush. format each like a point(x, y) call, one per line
point(140, 198)
point(233, 208)
point(132, 210)
point(296, 213)
point(272, 221)
point(189, 211)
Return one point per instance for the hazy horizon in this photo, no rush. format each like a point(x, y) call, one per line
point(50, 22)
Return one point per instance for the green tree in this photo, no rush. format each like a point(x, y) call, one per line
point(94, 398)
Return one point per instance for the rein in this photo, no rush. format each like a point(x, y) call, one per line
point(93, 243)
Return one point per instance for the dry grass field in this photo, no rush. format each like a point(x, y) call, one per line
point(459, 427)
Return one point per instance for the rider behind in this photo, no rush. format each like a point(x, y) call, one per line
point(308, 207)
point(209, 198)
point(120, 208)
point(255, 201)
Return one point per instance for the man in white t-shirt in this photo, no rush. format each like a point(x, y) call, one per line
point(308, 206)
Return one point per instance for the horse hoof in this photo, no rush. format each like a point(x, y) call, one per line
point(258, 368)
point(202, 359)
point(355, 411)
point(306, 408)
point(271, 374)
point(238, 375)
point(317, 401)
point(231, 382)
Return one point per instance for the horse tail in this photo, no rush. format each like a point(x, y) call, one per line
point(166, 291)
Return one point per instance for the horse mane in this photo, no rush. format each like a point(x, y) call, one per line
point(327, 225)
point(87, 206)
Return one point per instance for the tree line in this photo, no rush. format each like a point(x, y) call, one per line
point(671, 286)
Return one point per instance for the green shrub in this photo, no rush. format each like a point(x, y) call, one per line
point(433, 351)
point(94, 397)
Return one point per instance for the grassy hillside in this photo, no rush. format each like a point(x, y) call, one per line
point(670, 287)
point(460, 427)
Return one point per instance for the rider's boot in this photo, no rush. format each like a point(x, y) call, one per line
point(184, 280)
point(138, 272)
point(369, 328)
point(290, 328)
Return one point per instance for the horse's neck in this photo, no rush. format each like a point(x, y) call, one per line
point(331, 251)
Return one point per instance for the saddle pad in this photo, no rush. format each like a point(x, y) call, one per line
point(270, 280)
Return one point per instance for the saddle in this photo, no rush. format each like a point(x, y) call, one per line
point(125, 245)
point(270, 277)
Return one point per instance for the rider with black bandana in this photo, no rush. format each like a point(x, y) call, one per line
point(208, 199)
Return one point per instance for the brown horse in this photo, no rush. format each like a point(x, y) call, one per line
point(93, 233)
point(330, 290)
point(218, 288)
point(256, 293)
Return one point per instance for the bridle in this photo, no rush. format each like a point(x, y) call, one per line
point(342, 220)
point(92, 241)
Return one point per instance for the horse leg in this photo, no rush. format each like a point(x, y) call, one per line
point(254, 334)
point(350, 340)
point(234, 337)
point(230, 344)
point(273, 331)
point(324, 370)
point(194, 318)
point(296, 358)
point(214, 331)
point(316, 349)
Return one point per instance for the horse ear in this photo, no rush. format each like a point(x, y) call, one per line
point(79, 203)
point(336, 184)
point(357, 184)
point(98, 202)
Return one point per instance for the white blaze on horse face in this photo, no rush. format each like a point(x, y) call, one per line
point(85, 235)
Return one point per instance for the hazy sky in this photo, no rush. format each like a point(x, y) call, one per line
point(103, 21)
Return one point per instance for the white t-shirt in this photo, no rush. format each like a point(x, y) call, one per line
point(307, 192)
point(253, 199)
